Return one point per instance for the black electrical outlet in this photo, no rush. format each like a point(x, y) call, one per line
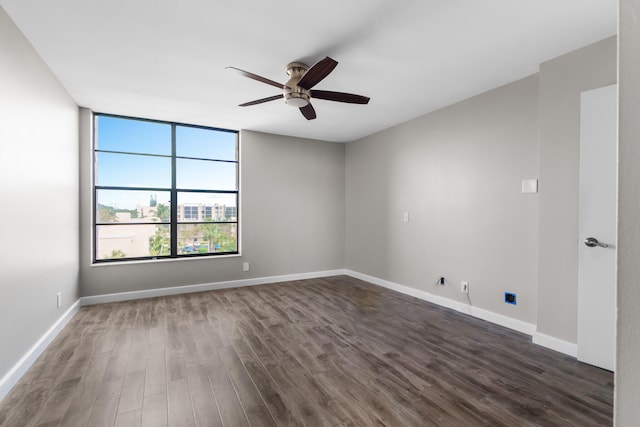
point(510, 298)
point(441, 281)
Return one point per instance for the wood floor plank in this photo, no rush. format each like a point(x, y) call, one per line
point(129, 419)
point(332, 351)
point(205, 408)
point(133, 387)
point(154, 410)
point(179, 409)
point(53, 409)
point(231, 412)
point(248, 395)
point(266, 386)
point(259, 416)
point(63, 380)
point(119, 356)
point(105, 407)
point(132, 394)
point(155, 380)
point(85, 394)
point(12, 406)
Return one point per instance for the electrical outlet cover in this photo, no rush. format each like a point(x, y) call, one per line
point(464, 287)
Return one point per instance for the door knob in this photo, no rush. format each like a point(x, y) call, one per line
point(592, 242)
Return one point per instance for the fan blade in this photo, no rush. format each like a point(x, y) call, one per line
point(256, 77)
point(308, 112)
point(260, 101)
point(317, 72)
point(339, 97)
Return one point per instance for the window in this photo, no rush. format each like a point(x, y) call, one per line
point(163, 190)
point(191, 212)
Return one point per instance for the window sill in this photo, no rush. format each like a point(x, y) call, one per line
point(155, 261)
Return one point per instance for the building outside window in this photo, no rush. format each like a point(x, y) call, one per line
point(163, 190)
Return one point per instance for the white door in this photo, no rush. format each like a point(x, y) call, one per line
point(597, 227)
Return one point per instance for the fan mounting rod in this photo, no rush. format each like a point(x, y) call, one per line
point(295, 95)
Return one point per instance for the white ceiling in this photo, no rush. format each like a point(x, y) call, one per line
point(164, 59)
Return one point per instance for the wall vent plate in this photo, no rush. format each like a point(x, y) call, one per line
point(510, 298)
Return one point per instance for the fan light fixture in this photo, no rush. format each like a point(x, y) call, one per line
point(296, 100)
point(297, 92)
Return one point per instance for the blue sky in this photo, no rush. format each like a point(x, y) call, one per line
point(130, 170)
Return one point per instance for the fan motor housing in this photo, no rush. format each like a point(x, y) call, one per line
point(295, 95)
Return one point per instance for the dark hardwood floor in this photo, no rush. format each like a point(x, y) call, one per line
point(333, 351)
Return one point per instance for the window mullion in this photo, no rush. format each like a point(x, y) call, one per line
point(174, 195)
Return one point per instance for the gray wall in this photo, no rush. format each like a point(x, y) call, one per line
point(561, 82)
point(458, 173)
point(39, 193)
point(292, 218)
point(627, 410)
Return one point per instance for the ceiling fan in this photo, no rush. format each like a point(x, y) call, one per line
point(298, 91)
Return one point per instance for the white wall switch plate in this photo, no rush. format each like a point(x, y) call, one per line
point(405, 217)
point(529, 186)
point(59, 299)
point(245, 266)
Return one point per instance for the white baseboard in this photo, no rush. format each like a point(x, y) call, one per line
point(13, 376)
point(159, 292)
point(499, 319)
point(556, 344)
point(543, 340)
